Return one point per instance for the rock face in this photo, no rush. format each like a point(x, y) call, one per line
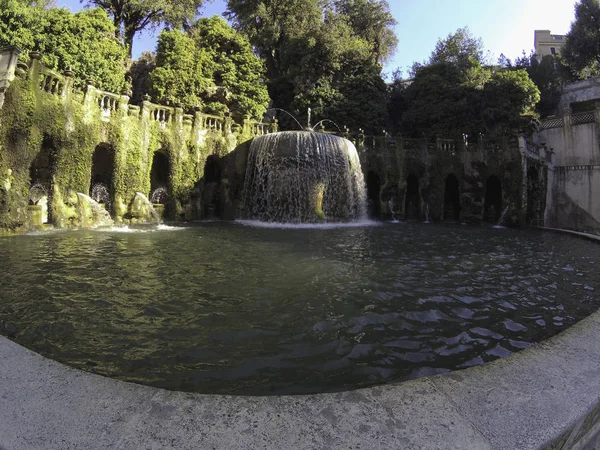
point(303, 176)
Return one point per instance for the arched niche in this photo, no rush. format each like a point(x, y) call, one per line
point(451, 198)
point(492, 207)
point(412, 200)
point(160, 173)
point(103, 172)
point(211, 198)
point(41, 171)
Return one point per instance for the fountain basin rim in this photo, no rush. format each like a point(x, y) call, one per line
point(528, 400)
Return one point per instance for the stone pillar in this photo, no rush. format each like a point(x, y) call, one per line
point(227, 124)
point(89, 96)
point(8, 64)
point(568, 132)
point(197, 128)
point(35, 68)
point(123, 105)
point(69, 82)
point(247, 127)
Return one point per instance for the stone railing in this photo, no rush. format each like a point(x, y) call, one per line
point(161, 114)
point(212, 123)
point(107, 102)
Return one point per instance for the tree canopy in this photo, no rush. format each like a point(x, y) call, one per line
point(83, 41)
point(582, 48)
point(131, 16)
point(454, 94)
point(318, 52)
point(209, 65)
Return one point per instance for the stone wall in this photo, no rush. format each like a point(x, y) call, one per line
point(65, 142)
point(579, 91)
point(448, 180)
point(572, 141)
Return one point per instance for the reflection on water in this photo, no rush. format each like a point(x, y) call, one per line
point(231, 308)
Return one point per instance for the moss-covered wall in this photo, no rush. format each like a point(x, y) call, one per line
point(394, 160)
point(71, 126)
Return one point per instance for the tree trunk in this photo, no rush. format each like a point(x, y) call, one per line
point(129, 42)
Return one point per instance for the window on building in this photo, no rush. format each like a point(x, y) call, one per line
point(553, 50)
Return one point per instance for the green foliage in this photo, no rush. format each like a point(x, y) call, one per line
point(373, 22)
point(209, 65)
point(83, 41)
point(139, 73)
point(456, 95)
point(318, 52)
point(547, 76)
point(131, 16)
point(581, 52)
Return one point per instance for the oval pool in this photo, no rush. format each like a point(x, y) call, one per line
point(230, 308)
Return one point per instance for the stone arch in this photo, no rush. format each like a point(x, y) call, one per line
point(412, 198)
point(373, 194)
point(211, 197)
point(103, 174)
point(160, 177)
point(492, 206)
point(41, 171)
point(451, 198)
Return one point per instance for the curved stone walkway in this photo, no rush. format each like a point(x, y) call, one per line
point(525, 401)
point(529, 400)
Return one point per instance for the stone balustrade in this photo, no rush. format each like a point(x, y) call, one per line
point(161, 114)
point(212, 123)
point(108, 103)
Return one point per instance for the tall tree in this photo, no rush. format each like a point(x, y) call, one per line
point(83, 41)
point(131, 16)
point(582, 48)
point(210, 65)
point(316, 51)
point(372, 21)
point(455, 94)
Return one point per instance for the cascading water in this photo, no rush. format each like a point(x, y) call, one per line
point(96, 215)
point(302, 176)
point(159, 196)
point(503, 216)
point(142, 208)
point(100, 194)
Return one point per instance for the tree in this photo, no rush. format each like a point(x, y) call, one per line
point(458, 48)
point(209, 65)
point(546, 73)
point(131, 16)
point(454, 94)
point(83, 41)
point(316, 51)
point(373, 22)
point(582, 48)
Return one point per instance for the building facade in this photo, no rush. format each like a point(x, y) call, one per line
point(546, 43)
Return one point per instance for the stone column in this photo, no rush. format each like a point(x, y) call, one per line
point(568, 132)
point(8, 64)
point(69, 81)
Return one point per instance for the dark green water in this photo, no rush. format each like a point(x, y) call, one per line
point(228, 308)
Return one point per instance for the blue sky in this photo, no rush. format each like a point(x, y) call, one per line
point(506, 26)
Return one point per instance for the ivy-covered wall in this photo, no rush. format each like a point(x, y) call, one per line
point(42, 119)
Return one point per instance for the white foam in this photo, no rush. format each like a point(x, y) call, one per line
point(300, 226)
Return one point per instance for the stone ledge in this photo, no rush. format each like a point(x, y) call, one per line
point(546, 396)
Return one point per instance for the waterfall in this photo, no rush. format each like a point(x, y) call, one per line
point(92, 213)
point(302, 176)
